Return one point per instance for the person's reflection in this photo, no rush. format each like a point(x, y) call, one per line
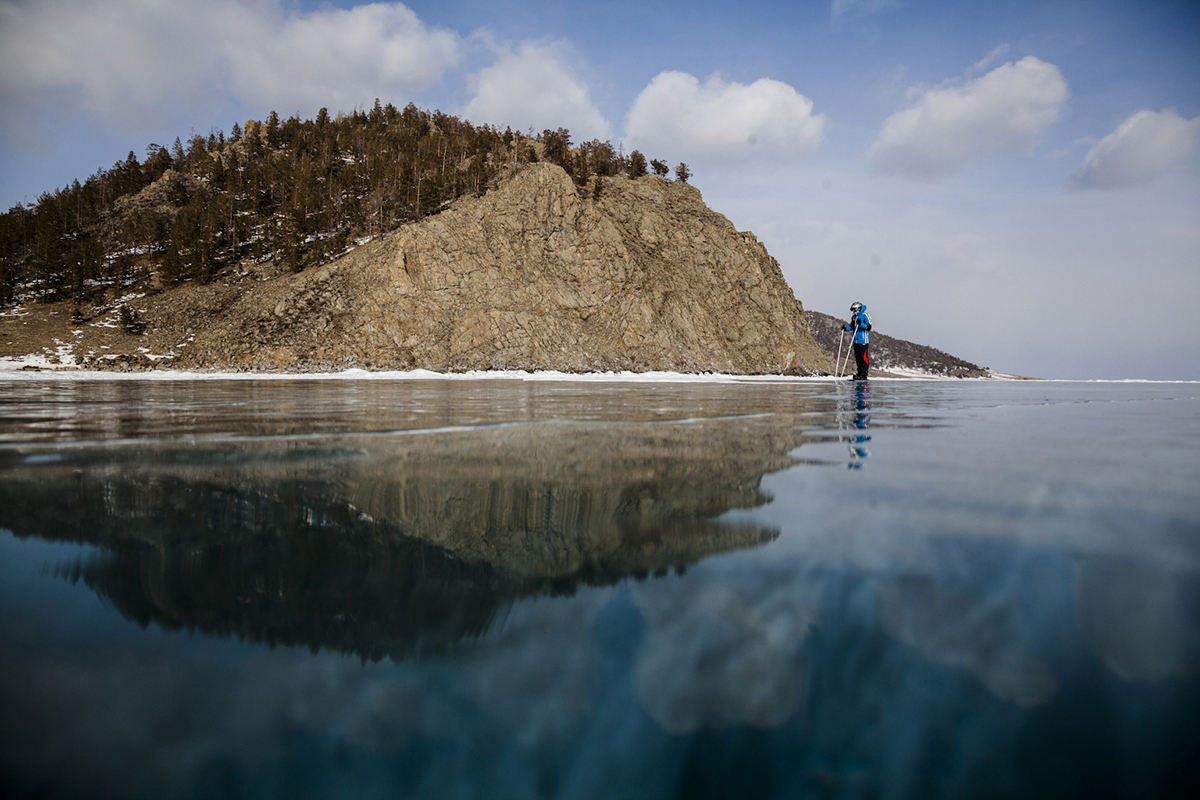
point(862, 422)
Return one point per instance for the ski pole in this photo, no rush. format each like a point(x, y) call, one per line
point(838, 361)
point(853, 333)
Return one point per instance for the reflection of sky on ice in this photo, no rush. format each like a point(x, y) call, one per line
point(859, 681)
point(957, 630)
point(716, 655)
point(1142, 622)
point(920, 626)
point(862, 680)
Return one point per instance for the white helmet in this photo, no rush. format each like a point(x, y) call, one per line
point(856, 307)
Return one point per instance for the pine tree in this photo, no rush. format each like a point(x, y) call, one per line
point(556, 146)
point(682, 173)
point(158, 161)
point(273, 139)
point(637, 164)
point(582, 168)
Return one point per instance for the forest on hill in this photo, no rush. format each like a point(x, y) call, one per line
point(298, 192)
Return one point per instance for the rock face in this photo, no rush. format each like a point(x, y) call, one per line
point(532, 275)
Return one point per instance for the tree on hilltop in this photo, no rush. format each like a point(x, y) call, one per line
point(637, 164)
point(158, 161)
point(582, 167)
point(660, 168)
point(291, 192)
point(601, 157)
point(682, 173)
point(273, 130)
point(556, 147)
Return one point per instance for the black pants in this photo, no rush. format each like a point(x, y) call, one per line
point(860, 360)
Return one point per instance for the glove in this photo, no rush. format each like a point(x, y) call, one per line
point(846, 328)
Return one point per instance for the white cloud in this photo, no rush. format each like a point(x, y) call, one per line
point(130, 63)
point(340, 58)
point(947, 127)
point(998, 51)
point(119, 62)
point(723, 120)
point(1140, 149)
point(532, 86)
point(717, 654)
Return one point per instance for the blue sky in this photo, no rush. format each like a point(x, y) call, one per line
point(1016, 183)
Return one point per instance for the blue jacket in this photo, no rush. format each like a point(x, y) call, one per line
point(863, 323)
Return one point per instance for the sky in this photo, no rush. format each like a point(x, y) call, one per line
point(1016, 183)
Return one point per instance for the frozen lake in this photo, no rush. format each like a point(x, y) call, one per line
point(577, 589)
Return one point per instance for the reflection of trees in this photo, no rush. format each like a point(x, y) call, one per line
point(374, 596)
point(395, 545)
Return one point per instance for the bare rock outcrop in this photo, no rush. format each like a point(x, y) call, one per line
point(532, 275)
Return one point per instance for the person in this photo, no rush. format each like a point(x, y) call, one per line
point(860, 324)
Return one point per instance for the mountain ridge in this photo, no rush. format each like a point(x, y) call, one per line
point(537, 273)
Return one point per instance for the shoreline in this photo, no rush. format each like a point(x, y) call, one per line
point(14, 370)
point(72, 373)
point(17, 372)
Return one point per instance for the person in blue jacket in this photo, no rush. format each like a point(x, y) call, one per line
point(860, 325)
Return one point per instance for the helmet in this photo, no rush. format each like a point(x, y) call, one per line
point(857, 307)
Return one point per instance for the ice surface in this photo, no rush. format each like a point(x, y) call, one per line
point(542, 585)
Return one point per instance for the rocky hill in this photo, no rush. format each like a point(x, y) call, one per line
point(536, 273)
point(889, 353)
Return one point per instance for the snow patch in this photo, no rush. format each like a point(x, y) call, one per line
point(146, 352)
point(33, 361)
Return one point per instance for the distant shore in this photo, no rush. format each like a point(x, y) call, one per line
point(11, 368)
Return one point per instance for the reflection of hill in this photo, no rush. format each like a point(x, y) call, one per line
point(393, 545)
point(373, 596)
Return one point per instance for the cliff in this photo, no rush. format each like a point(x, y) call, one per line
point(534, 274)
